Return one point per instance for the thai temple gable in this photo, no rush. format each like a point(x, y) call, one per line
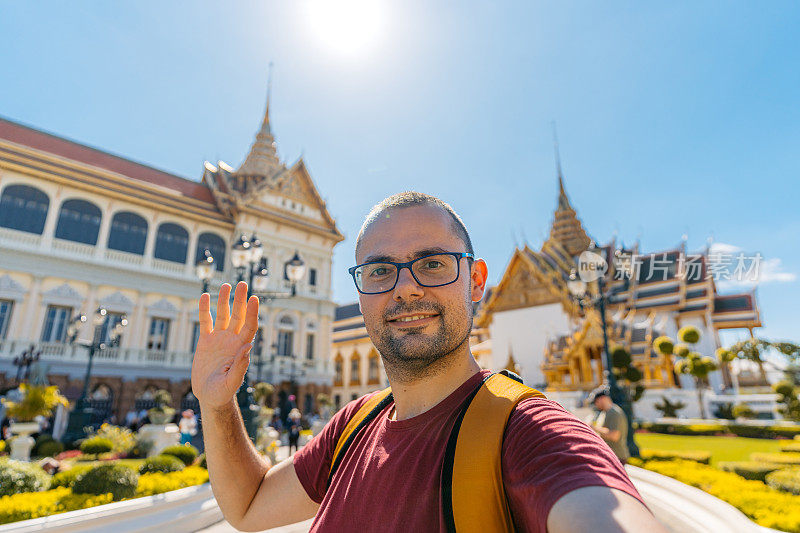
point(263, 182)
point(653, 295)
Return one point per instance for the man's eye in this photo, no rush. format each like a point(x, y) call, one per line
point(433, 264)
point(380, 271)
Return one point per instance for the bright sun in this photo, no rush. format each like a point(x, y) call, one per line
point(347, 27)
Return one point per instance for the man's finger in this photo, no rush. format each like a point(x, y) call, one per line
point(250, 320)
point(239, 367)
point(205, 313)
point(239, 301)
point(223, 307)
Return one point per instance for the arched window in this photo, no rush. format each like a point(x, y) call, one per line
point(338, 368)
point(23, 208)
point(214, 244)
point(172, 242)
point(128, 233)
point(373, 371)
point(78, 221)
point(286, 327)
point(355, 369)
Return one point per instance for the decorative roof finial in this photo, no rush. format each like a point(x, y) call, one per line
point(265, 127)
point(563, 202)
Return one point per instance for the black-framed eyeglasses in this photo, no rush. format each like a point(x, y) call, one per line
point(433, 270)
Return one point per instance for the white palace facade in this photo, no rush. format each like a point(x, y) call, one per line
point(82, 229)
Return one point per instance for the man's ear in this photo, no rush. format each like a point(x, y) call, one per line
point(479, 273)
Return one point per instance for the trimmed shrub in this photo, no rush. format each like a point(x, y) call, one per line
point(49, 448)
point(781, 458)
point(698, 456)
point(16, 476)
point(689, 334)
point(749, 469)
point(698, 429)
point(122, 439)
point(67, 478)
point(202, 462)
point(791, 446)
point(119, 480)
point(158, 482)
point(161, 463)
point(186, 453)
point(785, 480)
point(97, 445)
point(37, 504)
point(764, 432)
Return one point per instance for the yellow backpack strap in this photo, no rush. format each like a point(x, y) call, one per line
point(473, 496)
point(363, 416)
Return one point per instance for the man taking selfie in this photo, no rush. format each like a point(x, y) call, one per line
point(450, 448)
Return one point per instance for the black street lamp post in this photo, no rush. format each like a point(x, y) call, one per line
point(25, 360)
point(577, 289)
point(248, 259)
point(82, 414)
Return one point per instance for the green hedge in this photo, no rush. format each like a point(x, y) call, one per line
point(16, 476)
point(750, 469)
point(161, 463)
point(786, 480)
point(119, 480)
point(740, 430)
point(97, 445)
point(187, 453)
point(663, 455)
point(67, 478)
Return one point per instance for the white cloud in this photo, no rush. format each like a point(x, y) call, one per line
point(753, 268)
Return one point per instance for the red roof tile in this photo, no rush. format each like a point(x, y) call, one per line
point(52, 144)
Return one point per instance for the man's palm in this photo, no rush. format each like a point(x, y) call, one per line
point(222, 354)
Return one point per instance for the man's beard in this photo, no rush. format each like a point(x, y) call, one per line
point(410, 354)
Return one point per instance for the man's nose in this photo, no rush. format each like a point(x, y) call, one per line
point(407, 287)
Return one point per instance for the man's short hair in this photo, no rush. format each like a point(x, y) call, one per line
point(412, 199)
point(597, 393)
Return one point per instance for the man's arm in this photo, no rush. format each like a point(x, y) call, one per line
point(601, 510)
point(251, 495)
point(609, 435)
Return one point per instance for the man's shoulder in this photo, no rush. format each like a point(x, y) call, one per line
point(539, 417)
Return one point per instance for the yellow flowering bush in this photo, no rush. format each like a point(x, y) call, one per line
point(27, 505)
point(764, 505)
point(159, 482)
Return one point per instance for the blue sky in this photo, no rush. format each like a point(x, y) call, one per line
point(673, 118)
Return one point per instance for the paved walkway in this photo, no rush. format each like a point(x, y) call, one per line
point(300, 527)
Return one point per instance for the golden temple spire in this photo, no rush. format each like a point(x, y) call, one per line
point(262, 160)
point(566, 227)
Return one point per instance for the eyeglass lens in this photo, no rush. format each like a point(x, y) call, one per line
point(429, 271)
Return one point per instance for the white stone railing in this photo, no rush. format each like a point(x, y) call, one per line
point(73, 248)
point(179, 511)
point(687, 509)
point(27, 240)
point(125, 258)
point(59, 352)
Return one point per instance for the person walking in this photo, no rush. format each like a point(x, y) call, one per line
point(610, 423)
point(295, 427)
point(417, 280)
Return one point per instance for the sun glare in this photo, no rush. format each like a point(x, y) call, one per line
point(348, 27)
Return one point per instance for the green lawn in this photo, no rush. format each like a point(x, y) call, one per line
point(721, 448)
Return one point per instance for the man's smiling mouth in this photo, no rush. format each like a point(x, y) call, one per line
point(412, 319)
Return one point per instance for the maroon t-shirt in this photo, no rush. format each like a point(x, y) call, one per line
point(389, 478)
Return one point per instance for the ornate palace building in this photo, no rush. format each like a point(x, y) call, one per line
point(82, 229)
point(558, 345)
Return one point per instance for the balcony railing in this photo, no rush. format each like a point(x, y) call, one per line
point(53, 352)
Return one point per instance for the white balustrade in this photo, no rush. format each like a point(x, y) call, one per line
point(73, 248)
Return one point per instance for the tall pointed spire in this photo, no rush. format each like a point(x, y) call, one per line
point(262, 160)
point(563, 201)
point(566, 227)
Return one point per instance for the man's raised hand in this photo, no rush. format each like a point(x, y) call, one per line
point(223, 348)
